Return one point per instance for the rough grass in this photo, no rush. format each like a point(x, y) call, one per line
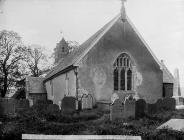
point(37, 120)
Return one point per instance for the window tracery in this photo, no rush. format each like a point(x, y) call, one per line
point(123, 75)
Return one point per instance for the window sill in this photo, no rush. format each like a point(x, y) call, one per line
point(125, 92)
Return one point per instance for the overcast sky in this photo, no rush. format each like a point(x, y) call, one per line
point(160, 22)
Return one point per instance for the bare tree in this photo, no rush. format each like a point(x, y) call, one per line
point(11, 52)
point(73, 45)
point(36, 60)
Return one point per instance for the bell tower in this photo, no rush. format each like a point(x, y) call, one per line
point(61, 50)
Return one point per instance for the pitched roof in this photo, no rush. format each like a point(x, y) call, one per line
point(74, 58)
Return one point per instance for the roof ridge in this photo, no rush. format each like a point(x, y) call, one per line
point(106, 27)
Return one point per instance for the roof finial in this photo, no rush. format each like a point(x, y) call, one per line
point(123, 12)
point(61, 34)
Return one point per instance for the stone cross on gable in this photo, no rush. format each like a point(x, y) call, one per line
point(123, 12)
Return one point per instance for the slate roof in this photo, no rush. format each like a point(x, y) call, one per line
point(73, 58)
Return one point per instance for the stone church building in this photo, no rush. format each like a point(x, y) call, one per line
point(116, 59)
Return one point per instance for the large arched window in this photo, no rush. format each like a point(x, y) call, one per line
point(123, 73)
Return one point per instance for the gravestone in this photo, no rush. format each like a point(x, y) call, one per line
point(87, 102)
point(116, 110)
point(140, 107)
point(68, 105)
point(159, 104)
point(169, 103)
point(129, 108)
point(21, 105)
point(51, 108)
point(152, 108)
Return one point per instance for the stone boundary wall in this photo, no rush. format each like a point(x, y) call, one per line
point(12, 106)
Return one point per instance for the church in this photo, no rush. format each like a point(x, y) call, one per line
point(116, 59)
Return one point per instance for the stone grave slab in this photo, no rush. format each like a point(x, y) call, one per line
point(175, 124)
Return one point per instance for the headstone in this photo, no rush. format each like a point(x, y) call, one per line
point(179, 100)
point(159, 104)
point(129, 108)
point(140, 107)
point(87, 102)
point(21, 105)
point(116, 110)
point(52, 108)
point(68, 105)
point(169, 103)
point(152, 108)
point(114, 97)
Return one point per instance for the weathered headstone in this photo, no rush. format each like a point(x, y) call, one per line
point(179, 100)
point(68, 105)
point(52, 108)
point(140, 107)
point(152, 108)
point(116, 110)
point(21, 105)
point(159, 104)
point(169, 103)
point(129, 108)
point(87, 102)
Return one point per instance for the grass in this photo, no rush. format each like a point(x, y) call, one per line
point(39, 120)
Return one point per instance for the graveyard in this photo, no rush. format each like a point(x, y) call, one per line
point(111, 84)
point(134, 118)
